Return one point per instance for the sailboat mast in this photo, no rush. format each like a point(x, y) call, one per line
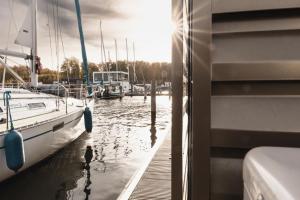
point(127, 63)
point(109, 66)
point(109, 60)
point(101, 49)
point(34, 75)
point(83, 50)
point(103, 53)
point(116, 49)
point(134, 63)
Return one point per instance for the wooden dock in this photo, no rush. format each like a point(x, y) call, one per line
point(153, 180)
point(156, 181)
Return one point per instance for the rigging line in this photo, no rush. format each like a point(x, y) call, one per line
point(54, 26)
point(55, 22)
point(57, 32)
point(61, 39)
point(64, 53)
point(57, 50)
point(49, 32)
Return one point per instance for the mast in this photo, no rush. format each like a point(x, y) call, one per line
point(109, 65)
point(34, 75)
point(116, 48)
point(83, 51)
point(134, 63)
point(127, 63)
point(101, 49)
point(103, 53)
point(109, 60)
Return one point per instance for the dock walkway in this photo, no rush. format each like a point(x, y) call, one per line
point(153, 179)
point(156, 181)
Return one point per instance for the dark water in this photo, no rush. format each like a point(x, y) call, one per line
point(97, 165)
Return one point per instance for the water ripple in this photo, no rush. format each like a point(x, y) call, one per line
point(97, 165)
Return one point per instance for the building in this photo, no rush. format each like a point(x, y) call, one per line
point(231, 59)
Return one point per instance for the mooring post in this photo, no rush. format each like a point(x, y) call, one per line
point(145, 91)
point(153, 107)
point(170, 90)
point(153, 94)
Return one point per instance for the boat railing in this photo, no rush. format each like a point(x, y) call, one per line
point(11, 85)
point(60, 92)
point(64, 91)
point(66, 96)
point(77, 91)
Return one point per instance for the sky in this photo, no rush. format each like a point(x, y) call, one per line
point(147, 23)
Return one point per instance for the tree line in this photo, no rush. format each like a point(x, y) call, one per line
point(71, 70)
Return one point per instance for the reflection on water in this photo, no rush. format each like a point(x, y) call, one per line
point(153, 129)
point(97, 165)
point(88, 158)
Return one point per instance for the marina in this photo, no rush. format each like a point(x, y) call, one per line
point(198, 101)
point(120, 143)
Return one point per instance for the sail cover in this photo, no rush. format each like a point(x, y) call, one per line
point(25, 34)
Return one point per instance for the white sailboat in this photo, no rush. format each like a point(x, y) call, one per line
point(46, 122)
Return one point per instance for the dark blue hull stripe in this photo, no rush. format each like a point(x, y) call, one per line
point(44, 132)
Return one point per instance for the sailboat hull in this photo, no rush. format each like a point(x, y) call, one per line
point(44, 139)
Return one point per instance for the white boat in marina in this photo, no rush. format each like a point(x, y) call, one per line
point(113, 84)
point(46, 123)
point(45, 126)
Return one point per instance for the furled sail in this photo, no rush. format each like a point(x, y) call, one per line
point(25, 34)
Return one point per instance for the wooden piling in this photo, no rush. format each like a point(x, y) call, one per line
point(145, 91)
point(153, 94)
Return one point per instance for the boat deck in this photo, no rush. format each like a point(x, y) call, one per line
point(155, 182)
point(34, 120)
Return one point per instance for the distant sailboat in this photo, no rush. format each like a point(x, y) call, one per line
point(46, 123)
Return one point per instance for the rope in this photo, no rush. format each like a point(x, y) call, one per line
point(56, 30)
point(49, 32)
point(55, 24)
point(6, 98)
point(57, 51)
point(64, 53)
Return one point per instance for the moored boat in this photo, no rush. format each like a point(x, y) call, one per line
point(44, 125)
point(41, 123)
